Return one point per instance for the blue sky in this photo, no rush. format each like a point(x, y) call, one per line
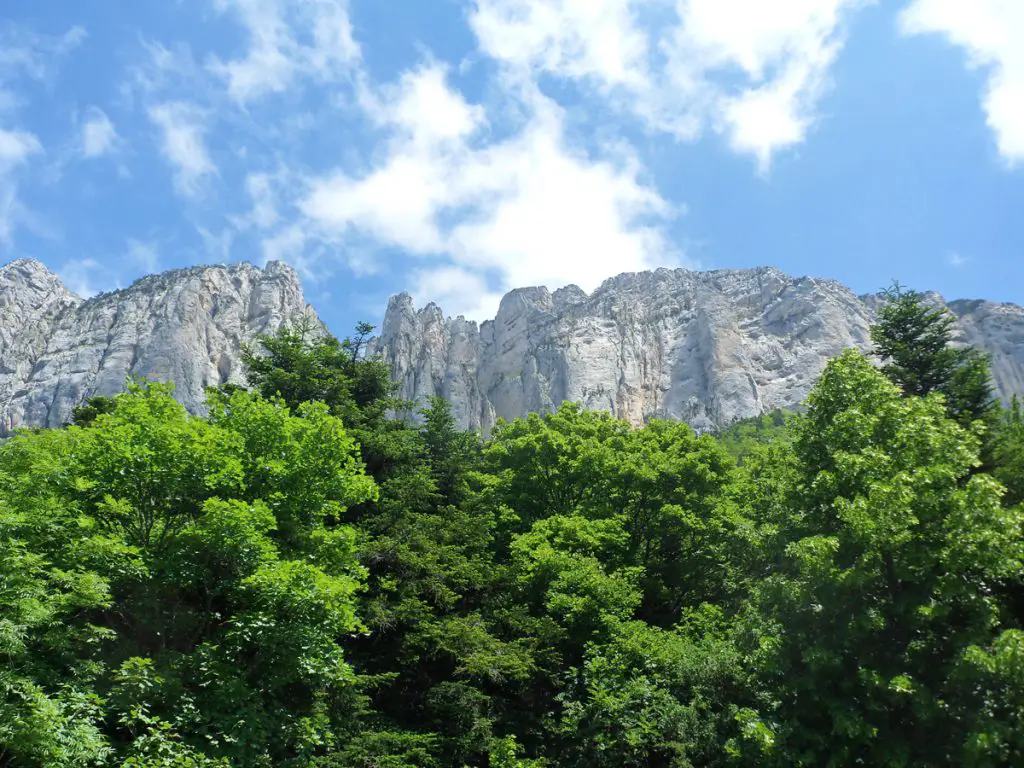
point(460, 148)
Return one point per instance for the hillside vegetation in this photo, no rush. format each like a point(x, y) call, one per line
point(301, 580)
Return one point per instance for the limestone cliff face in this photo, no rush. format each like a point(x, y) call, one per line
point(185, 326)
point(705, 347)
point(999, 330)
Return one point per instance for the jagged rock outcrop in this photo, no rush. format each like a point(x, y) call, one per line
point(185, 326)
point(705, 347)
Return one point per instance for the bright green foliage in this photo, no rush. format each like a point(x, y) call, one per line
point(556, 464)
point(607, 525)
point(506, 753)
point(304, 364)
point(747, 436)
point(48, 714)
point(189, 579)
point(888, 561)
point(914, 339)
point(661, 490)
point(1008, 452)
point(383, 749)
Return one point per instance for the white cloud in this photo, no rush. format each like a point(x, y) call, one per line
point(491, 198)
point(23, 54)
point(785, 51)
point(423, 108)
point(956, 259)
point(527, 209)
point(287, 39)
point(99, 136)
point(752, 69)
point(16, 146)
point(79, 276)
point(26, 53)
point(456, 290)
point(597, 39)
point(991, 32)
point(143, 254)
point(182, 138)
point(263, 213)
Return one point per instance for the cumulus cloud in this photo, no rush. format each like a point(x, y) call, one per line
point(287, 39)
point(457, 290)
point(182, 128)
point(599, 39)
point(527, 209)
point(679, 74)
point(99, 137)
point(991, 32)
point(502, 192)
point(785, 51)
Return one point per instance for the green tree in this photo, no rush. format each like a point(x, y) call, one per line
point(653, 697)
point(746, 436)
point(883, 561)
point(915, 341)
point(192, 574)
point(305, 364)
point(84, 415)
point(1008, 451)
point(662, 487)
point(49, 712)
point(425, 543)
point(603, 525)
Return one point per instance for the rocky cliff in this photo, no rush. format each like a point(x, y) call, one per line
point(705, 347)
point(185, 326)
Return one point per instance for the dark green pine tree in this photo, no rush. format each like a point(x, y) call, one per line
point(915, 341)
point(85, 415)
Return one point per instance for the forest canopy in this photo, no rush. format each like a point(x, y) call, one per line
point(303, 579)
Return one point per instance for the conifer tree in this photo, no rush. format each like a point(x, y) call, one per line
point(915, 341)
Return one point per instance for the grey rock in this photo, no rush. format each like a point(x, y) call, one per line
point(185, 326)
point(999, 330)
point(705, 347)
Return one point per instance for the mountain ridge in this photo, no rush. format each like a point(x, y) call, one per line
point(708, 347)
point(58, 349)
